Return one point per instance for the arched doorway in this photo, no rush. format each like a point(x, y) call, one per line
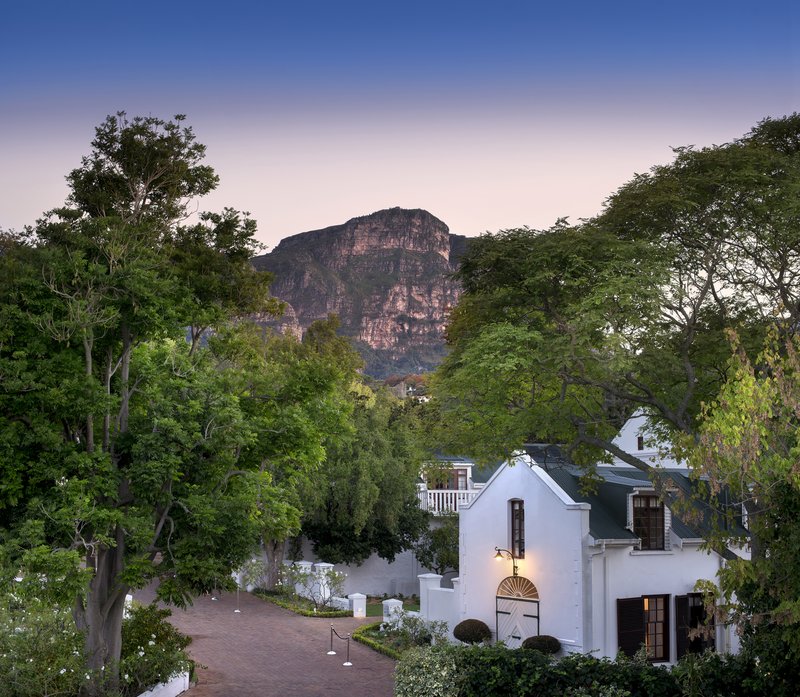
point(517, 610)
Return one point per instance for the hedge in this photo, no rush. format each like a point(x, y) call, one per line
point(496, 671)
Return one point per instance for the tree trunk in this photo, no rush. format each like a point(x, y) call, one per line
point(273, 554)
point(100, 617)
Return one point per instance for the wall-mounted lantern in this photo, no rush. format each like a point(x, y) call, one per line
point(510, 555)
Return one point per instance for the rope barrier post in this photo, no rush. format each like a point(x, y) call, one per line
point(331, 652)
point(347, 662)
point(343, 638)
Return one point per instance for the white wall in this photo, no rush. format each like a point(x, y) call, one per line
point(555, 527)
point(377, 576)
point(178, 685)
point(621, 572)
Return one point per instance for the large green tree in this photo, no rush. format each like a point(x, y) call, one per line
point(367, 494)
point(749, 450)
point(562, 334)
point(121, 443)
point(296, 399)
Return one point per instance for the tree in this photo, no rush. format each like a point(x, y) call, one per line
point(747, 455)
point(437, 548)
point(368, 496)
point(562, 334)
point(296, 399)
point(120, 443)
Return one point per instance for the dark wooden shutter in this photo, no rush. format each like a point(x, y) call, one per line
point(681, 625)
point(630, 625)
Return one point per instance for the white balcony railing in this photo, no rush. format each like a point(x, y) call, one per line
point(439, 501)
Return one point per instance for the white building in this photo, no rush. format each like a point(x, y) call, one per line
point(602, 572)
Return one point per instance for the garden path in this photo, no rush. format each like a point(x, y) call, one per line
point(266, 651)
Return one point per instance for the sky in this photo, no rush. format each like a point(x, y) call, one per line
point(490, 115)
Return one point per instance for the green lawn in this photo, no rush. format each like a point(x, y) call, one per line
point(375, 606)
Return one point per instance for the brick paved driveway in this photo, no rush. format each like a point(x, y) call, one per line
point(266, 651)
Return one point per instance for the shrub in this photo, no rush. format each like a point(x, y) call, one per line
point(543, 642)
point(41, 652)
point(405, 630)
point(711, 673)
point(472, 631)
point(428, 672)
point(319, 587)
point(152, 649)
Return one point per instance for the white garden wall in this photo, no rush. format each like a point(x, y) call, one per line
point(176, 686)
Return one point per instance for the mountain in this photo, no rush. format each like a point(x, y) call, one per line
point(386, 275)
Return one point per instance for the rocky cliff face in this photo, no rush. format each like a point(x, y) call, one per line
point(387, 277)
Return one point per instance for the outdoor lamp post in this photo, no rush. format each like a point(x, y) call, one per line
point(499, 557)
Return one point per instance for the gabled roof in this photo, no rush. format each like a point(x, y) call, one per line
point(609, 499)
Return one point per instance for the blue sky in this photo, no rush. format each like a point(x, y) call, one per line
point(490, 115)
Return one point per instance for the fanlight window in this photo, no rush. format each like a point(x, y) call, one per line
point(517, 587)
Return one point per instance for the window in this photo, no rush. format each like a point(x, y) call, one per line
point(644, 621)
point(518, 528)
point(640, 443)
point(656, 622)
point(648, 521)
point(690, 614)
point(455, 479)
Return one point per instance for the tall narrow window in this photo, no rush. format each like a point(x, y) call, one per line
point(640, 443)
point(518, 528)
point(656, 626)
point(648, 521)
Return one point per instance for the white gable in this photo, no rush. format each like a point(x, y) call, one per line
point(636, 433)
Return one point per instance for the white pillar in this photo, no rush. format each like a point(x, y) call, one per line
point(426, 582)
point(358, 604)
point(304, 567)
point(322, 588)
point(391, 609)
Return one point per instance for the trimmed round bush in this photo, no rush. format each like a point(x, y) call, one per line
point(544, 643)
point(472, 631)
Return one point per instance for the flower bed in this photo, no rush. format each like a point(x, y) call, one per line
point(298, 605)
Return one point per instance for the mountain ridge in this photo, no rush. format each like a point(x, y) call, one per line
point(388, 277)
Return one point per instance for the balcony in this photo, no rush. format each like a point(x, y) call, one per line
point(441, 501)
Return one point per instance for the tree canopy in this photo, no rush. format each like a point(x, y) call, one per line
point(562, 334)
point(129, 454)
point(368, 498)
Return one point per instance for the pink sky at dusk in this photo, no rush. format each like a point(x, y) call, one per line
point(478, 127)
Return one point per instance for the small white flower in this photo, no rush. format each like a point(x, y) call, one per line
point(62, 671)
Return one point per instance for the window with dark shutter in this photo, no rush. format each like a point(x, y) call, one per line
point(630, 625)
point(648, 521)
point(690, 613)
point(644, 620)
point(518, 528)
